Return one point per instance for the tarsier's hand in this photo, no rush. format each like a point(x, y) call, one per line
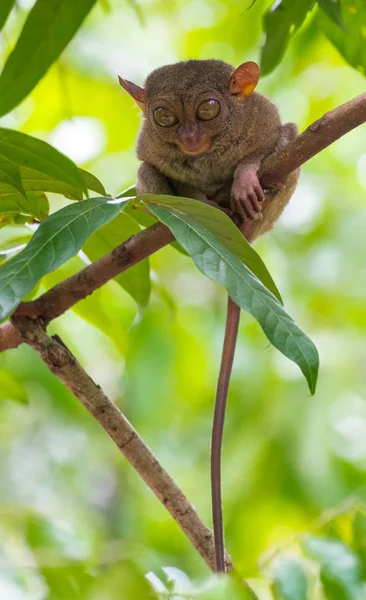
point(246, 193)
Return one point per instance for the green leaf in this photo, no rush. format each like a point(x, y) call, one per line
point(29, 152)
point(332, 8)
point(35, 181)
point(126, 576)
point(340, 568)
point(350, 43)
point(10, 175)
point(5, 9)
point(13, 237)
point(221, 227)
point(50, 26)
point(230, 587)
point(11, 388)
point(35, 204)
point(135, 281)
point(38, 205)
point(289, 580)
point(196, 225)
point(359, 539)
point(128, 193)
point(280, 23)
point(11, 201)
point(93, 183)
point(56, 240)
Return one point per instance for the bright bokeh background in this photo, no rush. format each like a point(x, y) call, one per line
point(66, 493)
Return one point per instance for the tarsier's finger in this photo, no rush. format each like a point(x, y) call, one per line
point(259, 192)
point(256, 201)
point(250, 211)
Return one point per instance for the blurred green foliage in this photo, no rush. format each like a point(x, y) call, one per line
point(75, 520)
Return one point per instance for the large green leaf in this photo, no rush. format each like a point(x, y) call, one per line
point(32, 153)
point(93, 183)
point(193, 228)
point(221, 228)
point(10, 175)
point(35, 204)
point(280, 22)
point(333, 9)
point(340, 568)
point(56, 240)
point(352, 42)
point(33, 181)
point(50, 26)
point(136, 281)
point(5, 8)
point(36, 181)
point(289, 580)
point(38, 205)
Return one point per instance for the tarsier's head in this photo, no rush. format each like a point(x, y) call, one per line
point(189, 104)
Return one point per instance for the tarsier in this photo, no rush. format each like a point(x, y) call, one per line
point(204, 135)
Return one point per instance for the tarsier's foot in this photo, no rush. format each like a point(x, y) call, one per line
point(247, 195)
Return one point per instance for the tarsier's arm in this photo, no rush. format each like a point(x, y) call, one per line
point(151, 181)
point(273, 203)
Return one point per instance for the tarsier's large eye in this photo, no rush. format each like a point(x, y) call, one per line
point(165, 117)
point(208, 110)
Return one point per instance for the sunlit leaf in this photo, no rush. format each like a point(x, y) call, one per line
point(333, 9)
point(289, 580)
point(93, 183)
point(50, 25)
point(230, 587)
point(212, 255)
point(351, 43)
point(125, 576)
point(13, 237)
point(5, 9)
point(35, 181)
point(32, 153)
point(35, 204)
point(56, 240)
point(136, 281)
point(359, 539)
point(72, 581)
point(280, 23)
point(11, 388)
point(38, 205)
point(10, 175)
point(340, 568)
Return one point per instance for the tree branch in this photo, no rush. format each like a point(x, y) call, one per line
point(275, 169)
point(320, 134)
point(64, 365)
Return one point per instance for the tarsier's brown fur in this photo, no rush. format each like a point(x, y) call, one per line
point(213, 160)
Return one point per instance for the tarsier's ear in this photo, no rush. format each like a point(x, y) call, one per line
point(244, 80)
point(137, 93)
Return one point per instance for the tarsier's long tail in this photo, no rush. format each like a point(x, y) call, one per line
point(231, 332)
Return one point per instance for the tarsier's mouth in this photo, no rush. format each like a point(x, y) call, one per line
point(194, 149)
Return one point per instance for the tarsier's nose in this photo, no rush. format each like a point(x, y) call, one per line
point(190, 139)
